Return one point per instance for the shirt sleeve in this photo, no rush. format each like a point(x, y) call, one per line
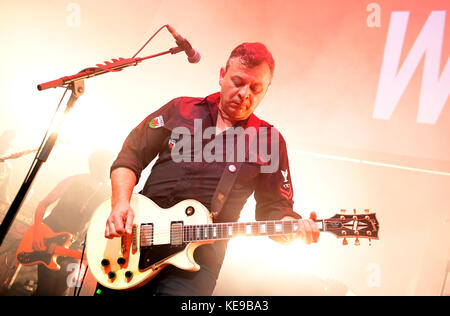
point(274, 192)
point(144, 142)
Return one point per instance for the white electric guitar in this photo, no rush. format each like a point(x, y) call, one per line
point(164, 237)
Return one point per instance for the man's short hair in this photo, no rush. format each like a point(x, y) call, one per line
point(252, 55)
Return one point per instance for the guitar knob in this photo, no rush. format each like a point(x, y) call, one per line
point(105, 262)
point(128, 274)
point(121, 261)
point(111, 275)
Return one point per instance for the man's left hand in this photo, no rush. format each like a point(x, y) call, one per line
point(308, 231)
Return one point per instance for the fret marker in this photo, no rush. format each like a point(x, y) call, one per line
point(248, 229)
point(262, 228)
point(214, 231)
point(278, 228)
point(197, 232)
point(230, 230)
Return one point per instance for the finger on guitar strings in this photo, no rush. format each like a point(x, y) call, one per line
point(308, 232)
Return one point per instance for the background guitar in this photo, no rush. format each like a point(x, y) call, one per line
point(56, 244)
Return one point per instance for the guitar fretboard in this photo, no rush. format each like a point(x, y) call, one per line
point(343, 226)
point(219, 231)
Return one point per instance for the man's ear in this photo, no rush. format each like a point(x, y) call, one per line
point(222, 75)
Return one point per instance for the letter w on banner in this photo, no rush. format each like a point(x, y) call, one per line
point(393, 81)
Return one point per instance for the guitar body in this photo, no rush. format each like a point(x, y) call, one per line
point(163, 237)
point(130, 261)
point(53, 241)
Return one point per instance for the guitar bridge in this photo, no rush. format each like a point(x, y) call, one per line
point(134, 241)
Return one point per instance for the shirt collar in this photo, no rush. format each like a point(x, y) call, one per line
point(212, 101)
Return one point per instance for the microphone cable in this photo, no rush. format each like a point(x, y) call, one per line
point(149, 40)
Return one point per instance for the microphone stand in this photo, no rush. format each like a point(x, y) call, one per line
point(76, 84)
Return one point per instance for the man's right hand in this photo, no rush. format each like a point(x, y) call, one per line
point(120, 221)
point(38, 238)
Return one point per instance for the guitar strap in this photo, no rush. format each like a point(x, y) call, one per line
point(223, 189)
point(226, 182)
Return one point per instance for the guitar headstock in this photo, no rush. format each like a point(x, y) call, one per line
point(353, 226)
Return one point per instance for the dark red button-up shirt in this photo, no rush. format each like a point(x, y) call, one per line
point(196, 178)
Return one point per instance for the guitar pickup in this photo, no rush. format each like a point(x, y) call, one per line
point(176, 233)
point(146, 236)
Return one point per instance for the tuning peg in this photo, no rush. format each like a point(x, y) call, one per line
point(355, 218)
point(367, 211)
point(343, 211)
point(357, 242)
point(370, 241)
point(344, 242)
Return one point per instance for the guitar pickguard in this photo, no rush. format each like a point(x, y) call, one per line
point(46, 255)
point(152, 255)
point(27, 258)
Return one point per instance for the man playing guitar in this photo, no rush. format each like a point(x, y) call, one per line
point(244, 82)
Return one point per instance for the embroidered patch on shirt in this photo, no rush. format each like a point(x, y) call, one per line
point(156, 122)
point(286, 188)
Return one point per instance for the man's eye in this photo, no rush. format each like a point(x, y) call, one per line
point(256, 90)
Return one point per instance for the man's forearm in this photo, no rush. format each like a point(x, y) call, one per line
point(123, 181)
point(40, 211)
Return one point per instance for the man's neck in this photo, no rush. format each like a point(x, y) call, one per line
point(222, 123)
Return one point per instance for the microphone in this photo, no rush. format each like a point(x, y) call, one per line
point(192, 54)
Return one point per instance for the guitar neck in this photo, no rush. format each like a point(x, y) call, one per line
point(18, 154)
point(342, 226)
point(218, 231)
point(67, 252)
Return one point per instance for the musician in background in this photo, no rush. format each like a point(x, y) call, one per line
point(7, 139)
point(78, 196)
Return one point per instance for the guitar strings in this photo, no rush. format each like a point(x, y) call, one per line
point(203, 231)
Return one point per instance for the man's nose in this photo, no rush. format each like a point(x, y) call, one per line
point(244, 92)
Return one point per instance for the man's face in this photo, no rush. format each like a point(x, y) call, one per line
point(242, 89)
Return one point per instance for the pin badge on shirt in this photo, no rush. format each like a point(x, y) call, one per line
point(171, 143)
point(156, 122)
point(232, 168)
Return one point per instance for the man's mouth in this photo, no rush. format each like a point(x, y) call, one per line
point(238, 106)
